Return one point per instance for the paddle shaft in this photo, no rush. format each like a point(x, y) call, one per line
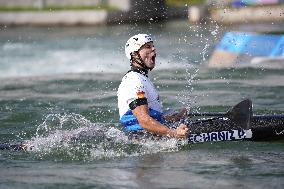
point(207, 114)
point(269, 116)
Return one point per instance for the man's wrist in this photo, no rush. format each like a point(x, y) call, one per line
point(171, 133)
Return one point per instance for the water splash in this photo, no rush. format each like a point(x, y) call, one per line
point(186, 97)
point(204, 52)
point(71, 137)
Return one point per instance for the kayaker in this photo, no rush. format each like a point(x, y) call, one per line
point(138, 101)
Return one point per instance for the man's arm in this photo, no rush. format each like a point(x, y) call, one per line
point(149, 124)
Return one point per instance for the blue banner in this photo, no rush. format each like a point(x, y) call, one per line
point(252, 44)
point(242, 3)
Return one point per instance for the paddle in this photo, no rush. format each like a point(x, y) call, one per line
point(240, 114)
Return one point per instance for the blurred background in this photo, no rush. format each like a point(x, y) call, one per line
point(30, 21)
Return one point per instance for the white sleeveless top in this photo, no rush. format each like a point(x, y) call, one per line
point(133, 86)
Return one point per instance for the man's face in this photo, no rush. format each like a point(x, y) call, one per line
point(148, 54)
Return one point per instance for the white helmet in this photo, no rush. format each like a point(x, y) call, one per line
point(135, 42)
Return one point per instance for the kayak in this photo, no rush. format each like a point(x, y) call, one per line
point(15, 147)
point(238, 123)
point(261, 128)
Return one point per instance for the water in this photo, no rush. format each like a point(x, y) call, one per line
point(58, 93)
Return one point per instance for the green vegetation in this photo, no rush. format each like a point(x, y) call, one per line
point(103, 6)
point(179, 3)
point(56, 8)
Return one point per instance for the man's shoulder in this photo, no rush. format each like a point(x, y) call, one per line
point(133, 80)
point(130, 83)
point(132, 76)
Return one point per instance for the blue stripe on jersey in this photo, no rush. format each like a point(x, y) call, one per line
point(131, 123)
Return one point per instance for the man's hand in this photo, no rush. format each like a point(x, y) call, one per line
point(180, 132)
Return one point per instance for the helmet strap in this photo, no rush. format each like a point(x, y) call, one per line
point(138, 60)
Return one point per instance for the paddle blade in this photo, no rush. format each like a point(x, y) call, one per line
point(241, 114)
